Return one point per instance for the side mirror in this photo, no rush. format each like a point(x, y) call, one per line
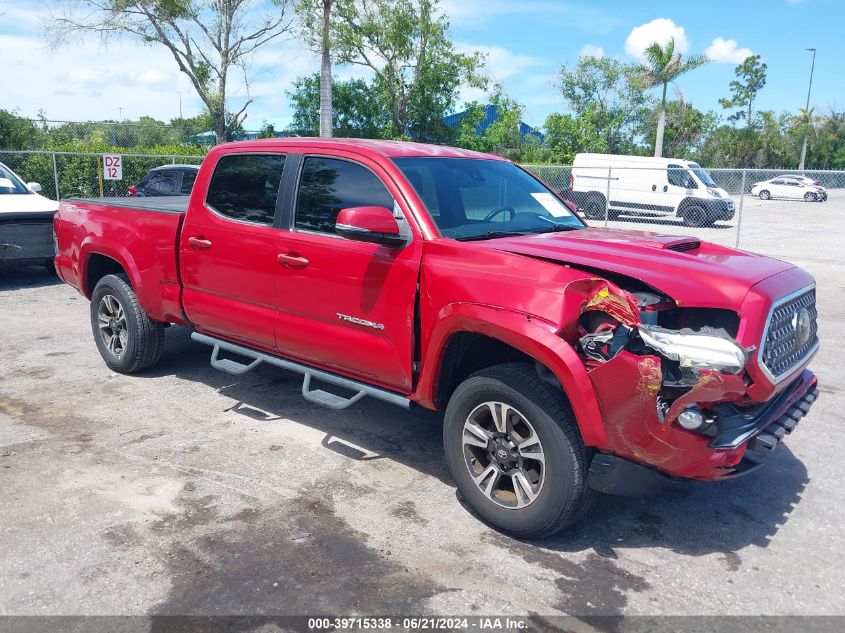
point(369, 224)
point(34, 187)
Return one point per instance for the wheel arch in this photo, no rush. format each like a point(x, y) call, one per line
point(100, 259)
point(469, 337)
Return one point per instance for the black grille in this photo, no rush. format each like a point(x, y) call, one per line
point(783, 348)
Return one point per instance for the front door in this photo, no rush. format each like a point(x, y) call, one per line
point(680, 185)
point(228, 250)
point(343, 304)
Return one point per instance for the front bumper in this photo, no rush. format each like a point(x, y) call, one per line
point(721, 208)
point(26, 239)
point(753, 438)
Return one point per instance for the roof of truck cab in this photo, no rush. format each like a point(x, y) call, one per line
point(390, 149)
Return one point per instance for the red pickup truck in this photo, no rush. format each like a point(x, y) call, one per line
point(567, 359)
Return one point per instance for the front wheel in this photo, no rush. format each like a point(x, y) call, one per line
point(765, 195)
point(809, 197)
point(696, 215)
point(514, 451)
point(128, 340)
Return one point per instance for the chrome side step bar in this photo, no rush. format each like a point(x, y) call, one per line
point(317, 396)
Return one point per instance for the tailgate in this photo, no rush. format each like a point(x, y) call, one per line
point(26, 236)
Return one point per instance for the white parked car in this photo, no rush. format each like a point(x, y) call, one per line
point(643, 185)
point(805, 179)
point(788, 187)
point(26, 222)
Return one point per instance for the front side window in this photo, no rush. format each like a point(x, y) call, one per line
point(188, 178)
point(328, 185)
point(479, 198)
point(245, 187)
point(677, 176)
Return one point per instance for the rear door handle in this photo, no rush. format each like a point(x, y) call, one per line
point(292, 261)
point(199, 243)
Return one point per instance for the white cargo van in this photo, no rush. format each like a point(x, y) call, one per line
point(642, 185)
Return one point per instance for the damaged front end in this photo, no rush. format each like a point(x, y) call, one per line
point(672, 386)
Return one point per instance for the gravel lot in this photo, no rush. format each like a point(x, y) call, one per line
point(185, 490)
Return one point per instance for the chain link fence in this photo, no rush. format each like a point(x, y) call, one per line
point(786, 214)
point(78, 174)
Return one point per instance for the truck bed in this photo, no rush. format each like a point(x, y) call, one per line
point(138, 236)
point(162, 204)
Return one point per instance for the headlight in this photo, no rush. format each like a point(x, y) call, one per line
point(696, 350)
point(714, 193)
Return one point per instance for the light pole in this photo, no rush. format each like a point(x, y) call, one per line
point(807, 111)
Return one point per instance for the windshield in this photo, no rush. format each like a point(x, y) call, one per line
point(476, 198)
point(703, 176)
point(9, 183)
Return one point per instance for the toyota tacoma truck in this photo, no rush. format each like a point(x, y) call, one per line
point(566, 359)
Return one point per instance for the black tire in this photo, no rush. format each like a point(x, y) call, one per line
point(764, 194)
point(144, 341)
point(594, 207)
point(564, 495)
point(810, 197)
point(696, 215)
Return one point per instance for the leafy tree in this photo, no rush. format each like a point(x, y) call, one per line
point(604, 91)
point(17, 132)
point(358, 109)
point(416, 67)
point(502, 136)
point(663, 67)
point(686, 128)
point(566, 135)
point(208, 39)
point(750, 79)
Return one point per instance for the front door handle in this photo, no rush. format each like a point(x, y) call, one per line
point(665, 188)
point(654, 187)
point(199, 243)
point(292, 261)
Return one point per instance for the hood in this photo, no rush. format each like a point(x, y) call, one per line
point(26, 203)
point(693, 272)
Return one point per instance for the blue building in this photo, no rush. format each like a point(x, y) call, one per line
point(491, 115)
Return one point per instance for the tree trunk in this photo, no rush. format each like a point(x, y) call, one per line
point(326, 76)
point(219, 127)
point(661, 126)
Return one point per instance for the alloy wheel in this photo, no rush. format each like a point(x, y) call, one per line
point(111, 318)
point(504, 455)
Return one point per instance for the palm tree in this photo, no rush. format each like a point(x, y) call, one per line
point(326, 74)
point(804, 123)
point(663, 67)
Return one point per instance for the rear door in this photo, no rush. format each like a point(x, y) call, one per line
point(346, 305)
point(228, 250)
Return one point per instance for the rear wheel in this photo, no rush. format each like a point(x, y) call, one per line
point(765, 195)
point(696, 215)
point(810, 197)
point(515, 453)
point(128, 340)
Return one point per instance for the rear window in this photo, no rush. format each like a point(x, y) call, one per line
point(245, 187)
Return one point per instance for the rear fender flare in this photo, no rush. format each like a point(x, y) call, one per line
point(534, 337)
point(97, 246)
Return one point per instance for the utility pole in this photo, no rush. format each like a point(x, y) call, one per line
point(807, 111)
point(180, 103)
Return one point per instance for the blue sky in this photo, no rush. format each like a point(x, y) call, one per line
point(526, 42)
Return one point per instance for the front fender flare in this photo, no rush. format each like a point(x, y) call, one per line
point(534, 337)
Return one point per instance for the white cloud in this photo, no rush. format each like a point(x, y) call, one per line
point(501, 63)
point(661, 31)
point(726, 51)
point(589, 50)
point(156, 78)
